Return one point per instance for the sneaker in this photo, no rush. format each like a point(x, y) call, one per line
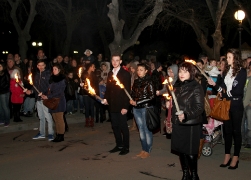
point(39, 136)
point(50, 137)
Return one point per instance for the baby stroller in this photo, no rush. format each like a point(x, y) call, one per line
point(213, 134)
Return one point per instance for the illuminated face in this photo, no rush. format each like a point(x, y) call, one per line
point(103, 67)
point(40, 54)
point(88, 53)
point(141, 71)
point(74, 63)
point(10, 63)
point(222, 65)
point(70, 75)
point(41, 66)
point(16, 57)
point(230, 59)
point(213, 63)
point(132, 69)
point(59, 59)
point(116, 61)
point(55, 70)
point(92, 68)
point(152, 66)
point(170, 73)
point(200, 65)
point(183, 74)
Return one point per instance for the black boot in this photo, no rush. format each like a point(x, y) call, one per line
point(184, 166)
point(66, 124)
point(193, 161)
point(58, 138)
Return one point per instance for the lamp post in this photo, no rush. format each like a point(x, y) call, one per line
point(239, 15)
point(37, 44)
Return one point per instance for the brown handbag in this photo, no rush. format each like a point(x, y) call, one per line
point(51, 103)
point(220, 110)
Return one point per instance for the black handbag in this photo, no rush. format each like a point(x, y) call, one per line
point(152, 119)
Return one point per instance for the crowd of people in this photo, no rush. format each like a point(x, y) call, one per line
point(67, 78)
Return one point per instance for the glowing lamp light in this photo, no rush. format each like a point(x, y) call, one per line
point(239, 15)
point(40, 44)
point(75, 52)
point(34, 43)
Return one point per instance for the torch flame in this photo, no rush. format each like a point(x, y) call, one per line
point(165, 82)
point(191, 61)
point(90, 89)
point(30, 79)
point(167, 96)
point(80, 72)
point(118, 82)
point(16, 78)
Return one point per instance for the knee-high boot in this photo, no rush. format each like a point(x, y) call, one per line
point(184, 166)
point(193, 166)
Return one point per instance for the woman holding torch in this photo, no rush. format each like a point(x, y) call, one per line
point(187, 125)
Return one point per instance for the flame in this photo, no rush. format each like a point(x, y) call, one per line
point(80, 72)
point(190, 61)
point(90, 89)
point(165, 82)
point(118, 82)
point(167, 96)
point(30, 79)
point(16, 77)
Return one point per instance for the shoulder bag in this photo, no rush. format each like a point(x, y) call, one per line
point(51, 103)
point(152, 119)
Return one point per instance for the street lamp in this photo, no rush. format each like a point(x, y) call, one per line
point(37, 44)
point(239, 15)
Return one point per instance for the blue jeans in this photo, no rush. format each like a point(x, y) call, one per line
point(4, 108)
point(69, 106)
point(29, 104)
point(89, 106)
point(246, 125)
point(44, 115)
point(146, 136)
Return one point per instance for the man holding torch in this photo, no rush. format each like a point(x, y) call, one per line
point(41, 83)
point(118, 104)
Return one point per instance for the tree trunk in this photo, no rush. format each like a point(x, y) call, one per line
point(120, 44)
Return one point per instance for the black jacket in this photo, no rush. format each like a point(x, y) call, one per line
point(4, 82)
point(116, 96)
point(190, 97)
point(42, 82)
point(93, 81)
point(143, 92)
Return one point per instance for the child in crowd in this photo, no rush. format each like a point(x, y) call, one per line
point(105, 70)
point(213, 71)
point(100, 109)
point(70, 92)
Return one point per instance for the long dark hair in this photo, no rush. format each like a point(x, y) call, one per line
point(60, 67)
point(190, 68)
point(237, 64)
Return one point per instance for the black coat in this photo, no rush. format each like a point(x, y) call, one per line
point(116, 97)
point(186, 135)
point(4, 82)
point(143, 92)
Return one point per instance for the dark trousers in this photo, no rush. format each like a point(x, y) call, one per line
point(100, 113)
point(120, 129)
point(16, 111)
point(233, 131)
point(89, 106)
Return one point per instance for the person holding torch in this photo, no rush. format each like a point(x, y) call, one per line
point(187, 125)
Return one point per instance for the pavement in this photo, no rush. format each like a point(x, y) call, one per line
point(85, 155)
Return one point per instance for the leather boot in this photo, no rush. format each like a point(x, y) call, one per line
point(192, 162)
point(91, 122)
point(202, 141)
point(184, 166)
point(59, 138)
point(87, 122)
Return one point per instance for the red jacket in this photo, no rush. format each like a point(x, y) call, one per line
point(17, 94)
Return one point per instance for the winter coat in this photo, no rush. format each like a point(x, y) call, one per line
point(42, 83)
point(186, 135)
point(70, 89)
point(116, 97)
point(143, 92)
point(56, 90)
point(4, 82)
point(17, 94)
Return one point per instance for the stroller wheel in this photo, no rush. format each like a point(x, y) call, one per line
point(207, 150)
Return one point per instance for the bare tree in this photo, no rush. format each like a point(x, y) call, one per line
point(199, 16)
point(23, 30)
point(123, 40)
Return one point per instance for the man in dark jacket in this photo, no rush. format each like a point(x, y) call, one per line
point(118, 105)
point(42, 84)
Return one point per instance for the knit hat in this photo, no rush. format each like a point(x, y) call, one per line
point(87, 51)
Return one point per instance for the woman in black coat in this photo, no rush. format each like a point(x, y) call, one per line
point(187, 125)
point(56, 90)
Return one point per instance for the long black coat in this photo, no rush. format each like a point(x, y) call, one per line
point(116, 97)
point(186, 135)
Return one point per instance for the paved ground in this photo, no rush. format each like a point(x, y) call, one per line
point(84, 155)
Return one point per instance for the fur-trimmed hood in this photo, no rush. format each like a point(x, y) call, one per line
point(57, 78)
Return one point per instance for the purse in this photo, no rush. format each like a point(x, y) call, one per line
point(51, 103)
point(220, 110)
point(152, 119)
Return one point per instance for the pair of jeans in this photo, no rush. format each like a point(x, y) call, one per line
point(81, 102)
point(4, 108)
point(29, 104)
point(246, 125)
point(146, 136)
point(89, 106)
point(233, 131)
point(44, 115)
point(120, 129)
point(69, 106)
